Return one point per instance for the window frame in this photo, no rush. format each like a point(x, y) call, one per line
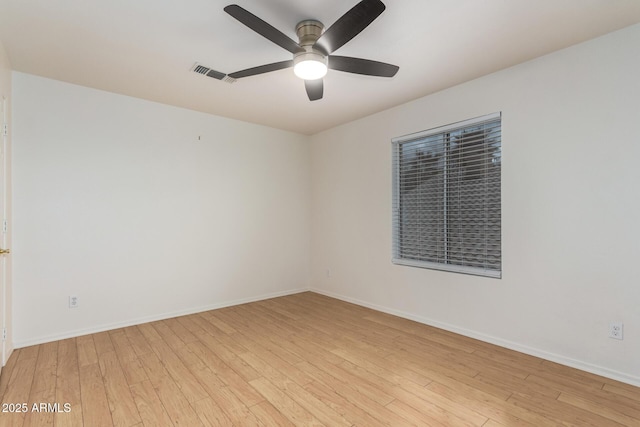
point(445, 265)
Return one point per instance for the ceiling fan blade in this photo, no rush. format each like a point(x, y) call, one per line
point(264, 29)
point(262, 69)
point(314, 88)
point(362, 66)
point(349, 25)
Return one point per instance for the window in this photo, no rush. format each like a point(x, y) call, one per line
point(446, 198)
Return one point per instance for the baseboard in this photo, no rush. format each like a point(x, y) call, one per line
point(146, 319)
point(557, 358)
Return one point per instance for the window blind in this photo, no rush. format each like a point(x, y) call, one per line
point(447, 199)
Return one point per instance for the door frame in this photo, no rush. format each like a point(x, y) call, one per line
point(4, 261)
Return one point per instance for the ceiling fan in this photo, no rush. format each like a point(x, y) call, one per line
point(312, 55)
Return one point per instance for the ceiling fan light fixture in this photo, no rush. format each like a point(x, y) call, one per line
point(310, 66)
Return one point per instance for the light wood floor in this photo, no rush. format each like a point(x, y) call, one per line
point(301, 360)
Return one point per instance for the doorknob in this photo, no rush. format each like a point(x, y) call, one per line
point(5, 251)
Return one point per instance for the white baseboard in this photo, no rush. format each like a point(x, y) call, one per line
point(146, 319)
point(563, 360)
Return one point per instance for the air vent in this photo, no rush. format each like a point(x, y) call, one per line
point(200, 69)
point(206, 71)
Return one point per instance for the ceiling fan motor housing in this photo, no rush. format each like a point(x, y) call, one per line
point(308, 32)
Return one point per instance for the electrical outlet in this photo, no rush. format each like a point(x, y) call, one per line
point(73, 301)
point(615, 330)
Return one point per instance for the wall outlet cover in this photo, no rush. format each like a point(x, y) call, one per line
point(616, 330)
point(73, 301)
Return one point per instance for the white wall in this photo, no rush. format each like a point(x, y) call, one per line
point(117, 201)
point(570, 210)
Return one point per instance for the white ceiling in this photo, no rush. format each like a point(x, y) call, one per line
point(146, 48)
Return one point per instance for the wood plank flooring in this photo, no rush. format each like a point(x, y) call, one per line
point(300, 360)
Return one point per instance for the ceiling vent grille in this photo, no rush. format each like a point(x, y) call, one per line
point(206, 71)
